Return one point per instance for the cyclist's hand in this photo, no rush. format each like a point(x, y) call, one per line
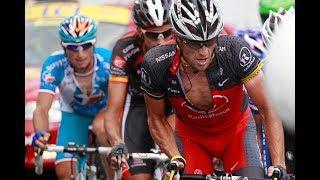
point(278, 173)
point(118, 156)
point(175, 168)
point(40, 140)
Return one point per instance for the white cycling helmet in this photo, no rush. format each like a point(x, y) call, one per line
point(198, 20)
point(271, 25)
point(151, 13)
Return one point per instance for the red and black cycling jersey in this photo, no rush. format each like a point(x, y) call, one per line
point(126, 62)
point(232, 66)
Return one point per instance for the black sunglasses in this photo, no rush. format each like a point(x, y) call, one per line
point(198, 44)
point(76, 48)
point(157, 35)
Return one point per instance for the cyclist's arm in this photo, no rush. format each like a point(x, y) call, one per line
point(160, 129)
point(172, 121)
point(273, 125)
point(40, 114)
point(116, 99)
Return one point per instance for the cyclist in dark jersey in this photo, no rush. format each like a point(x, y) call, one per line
point(203, 75)
point(126, 99)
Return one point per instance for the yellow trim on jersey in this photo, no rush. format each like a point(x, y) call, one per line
point(118, 79)
point(152, 95)
point(253, 74)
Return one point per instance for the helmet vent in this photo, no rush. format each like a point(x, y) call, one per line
point(145, 6)
point(177, 27)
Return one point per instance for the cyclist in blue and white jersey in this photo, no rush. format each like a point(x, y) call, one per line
point(81, 72)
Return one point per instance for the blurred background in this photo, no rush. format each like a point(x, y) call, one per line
point(114, 19)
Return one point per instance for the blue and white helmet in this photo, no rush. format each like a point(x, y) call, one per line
point(255, 41)
point(78, 29)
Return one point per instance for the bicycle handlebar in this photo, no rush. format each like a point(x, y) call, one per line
point(221, 177)
point(101, 150)
point(154, 156)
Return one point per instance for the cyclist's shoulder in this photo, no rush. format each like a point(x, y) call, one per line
point(229, 40)
point(57, 59)
point(56, 55)
point(103, 54)
point(102, 51)
point(103, 59)
point(128, 41)
point(160, 56)
point(231, 45)
point(128, 47)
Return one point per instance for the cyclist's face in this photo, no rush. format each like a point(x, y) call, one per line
point(156, 35)
point(80, 57)
point(199, 55)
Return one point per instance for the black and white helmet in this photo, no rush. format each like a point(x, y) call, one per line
point(198, 20)
point(151, 13)
point(271, 25)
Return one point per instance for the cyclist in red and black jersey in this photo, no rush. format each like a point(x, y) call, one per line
point(203, 75)
point(126, 99)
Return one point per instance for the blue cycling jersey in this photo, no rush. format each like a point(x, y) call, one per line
point(57, 72)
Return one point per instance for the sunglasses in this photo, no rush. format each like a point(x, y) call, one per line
point(198, 44)
point(157, 35)
point(76, 47)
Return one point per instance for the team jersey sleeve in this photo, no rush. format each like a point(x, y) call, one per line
point(104, 57)
point(105, 54)
point(51, 75)
point(245, 64)
point(153, 74)
point(118, 69)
